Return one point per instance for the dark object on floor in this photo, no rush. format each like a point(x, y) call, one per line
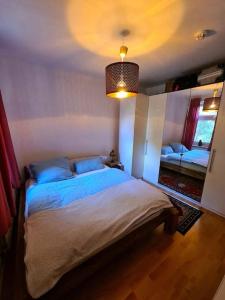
point(189, 217)
point(183, 184)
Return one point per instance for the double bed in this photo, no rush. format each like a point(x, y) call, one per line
point(73, 227)
point(193, 163)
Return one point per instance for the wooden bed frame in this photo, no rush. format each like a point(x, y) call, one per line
point(14, 284)
point(183, 170)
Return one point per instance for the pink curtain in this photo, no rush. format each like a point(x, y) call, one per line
point(191, 123)
point(9, 173)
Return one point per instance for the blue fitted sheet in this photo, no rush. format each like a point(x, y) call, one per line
point(198, 157)
point(58, 194)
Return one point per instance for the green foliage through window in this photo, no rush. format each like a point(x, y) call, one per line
point(204, 131)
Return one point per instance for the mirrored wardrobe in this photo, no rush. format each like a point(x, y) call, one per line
point(180, 132)
point(176, 142)
point(190, 118)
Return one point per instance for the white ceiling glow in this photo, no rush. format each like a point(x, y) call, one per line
point(84, 35)
point(97, 30)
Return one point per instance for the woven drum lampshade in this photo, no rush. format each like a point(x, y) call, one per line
point(122, 79)
point(211, 104)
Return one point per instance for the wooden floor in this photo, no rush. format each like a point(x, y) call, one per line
point(165, 267)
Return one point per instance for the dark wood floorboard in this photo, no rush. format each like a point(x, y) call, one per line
point(164, 267)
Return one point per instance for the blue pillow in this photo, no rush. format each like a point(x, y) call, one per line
point(178, 148)
point(166, 150)
point(87, 165)
point(51, 170)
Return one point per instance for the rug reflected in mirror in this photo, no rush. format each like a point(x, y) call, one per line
point(183, 184)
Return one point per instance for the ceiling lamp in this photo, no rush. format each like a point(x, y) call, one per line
point(213, 103)
point(122, 77)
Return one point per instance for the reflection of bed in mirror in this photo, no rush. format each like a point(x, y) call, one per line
point(192, 163)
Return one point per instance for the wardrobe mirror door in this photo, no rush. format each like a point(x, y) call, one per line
point(171, 172)
point(187, 139)
point(214, 188)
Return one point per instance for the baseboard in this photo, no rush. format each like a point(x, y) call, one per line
point(213, 211)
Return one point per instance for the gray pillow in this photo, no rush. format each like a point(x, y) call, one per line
point(51, 170)
point(166, 150)
point(88, 164)
point(178, 148)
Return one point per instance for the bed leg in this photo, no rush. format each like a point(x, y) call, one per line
point(171, 222)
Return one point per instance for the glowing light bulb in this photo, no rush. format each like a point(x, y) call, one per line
point(123, 52)
point(122, 94)
point(121, 84)
point(213, 105)
point(122, 55)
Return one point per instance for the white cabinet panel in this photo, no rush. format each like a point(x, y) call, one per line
point(132, 132)
point(213, 196)
point(126, 132)
point(141, 116)
point(156, 119)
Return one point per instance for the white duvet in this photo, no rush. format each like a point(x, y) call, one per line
point(58, 240)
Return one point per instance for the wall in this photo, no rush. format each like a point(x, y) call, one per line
point(54, 112)
point(176, 110)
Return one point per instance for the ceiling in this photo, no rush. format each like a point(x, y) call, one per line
point(85, 35)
